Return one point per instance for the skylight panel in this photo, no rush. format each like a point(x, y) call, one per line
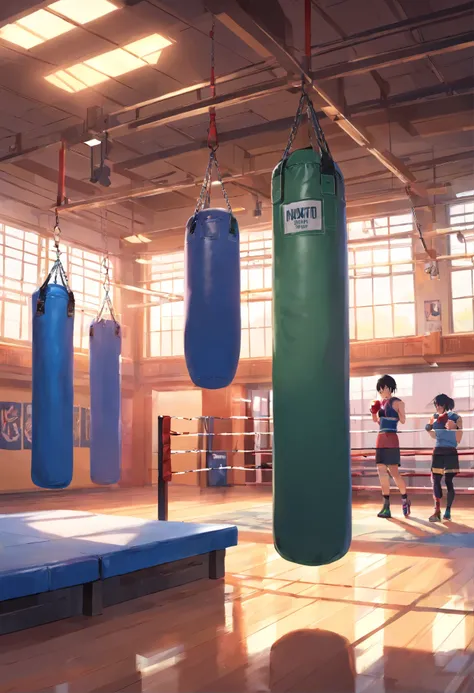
point(83, 11)
point(114, 63)
point(45, 25)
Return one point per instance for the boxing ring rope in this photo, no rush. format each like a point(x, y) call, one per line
point(359, 455)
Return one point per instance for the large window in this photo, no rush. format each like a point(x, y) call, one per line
point(381, 278)
point(164, 333)
point(19, 251)
point(462, 270)
point(256, 287)
point(463, 385)
point(25, 259)
point(381, 284)
point(364, 388)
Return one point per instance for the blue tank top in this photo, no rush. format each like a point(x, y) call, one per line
point(388, 416)
point(445, 438)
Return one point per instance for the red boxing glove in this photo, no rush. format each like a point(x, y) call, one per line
point(375, 406)
point(443, 419)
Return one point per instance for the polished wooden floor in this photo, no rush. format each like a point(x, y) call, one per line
point(395, 615)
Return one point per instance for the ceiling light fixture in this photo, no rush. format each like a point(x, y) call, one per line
point(120, 61)
point(137, 238)
point(466, 193)
point(94, 142)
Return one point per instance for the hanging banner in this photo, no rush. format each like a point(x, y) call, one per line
point(432, 316)
point(27, 427)
point(10, 425)
point(85, 427)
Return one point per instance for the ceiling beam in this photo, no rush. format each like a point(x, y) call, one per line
point(242, 23)
point(376, 115)
point(200, 108)
point(406, 54)
point(281, 125)
point(441, 16)
point(146, 191)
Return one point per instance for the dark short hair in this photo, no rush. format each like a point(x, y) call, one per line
point(444, 401)
point(386, 381)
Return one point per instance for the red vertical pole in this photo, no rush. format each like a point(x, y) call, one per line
point(61, 175)
point(307, 34)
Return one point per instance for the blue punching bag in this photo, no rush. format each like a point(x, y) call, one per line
point(53, 398)
point(106, 431)
point(212, 298)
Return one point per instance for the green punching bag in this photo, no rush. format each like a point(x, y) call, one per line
point(311, 466)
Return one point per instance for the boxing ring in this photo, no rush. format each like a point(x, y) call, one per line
point(252, 457)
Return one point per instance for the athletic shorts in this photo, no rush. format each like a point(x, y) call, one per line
point(445, 461)
point(387, 456)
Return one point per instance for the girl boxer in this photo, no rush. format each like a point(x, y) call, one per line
point(388, 412)
point(445, 427)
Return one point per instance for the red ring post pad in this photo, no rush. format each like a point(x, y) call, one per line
point(312, 509)
point(167, 471)
point(212, 298)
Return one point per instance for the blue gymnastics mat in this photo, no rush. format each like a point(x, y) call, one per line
point(51, 550)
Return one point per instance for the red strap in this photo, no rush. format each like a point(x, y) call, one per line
point(212, 138)
point(61, 175)
point(167, 472)
point(307, 31)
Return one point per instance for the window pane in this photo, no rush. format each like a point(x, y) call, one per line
point(268, 341)
point(155, 344)
point(461, 283)
point(178, 343)
point(383, 322)
point(404, 319)
point(244, 344)
point(352, 329)
point(403, 289)
point(155, 318)
point(12, 320)
point(364, 322)
point(463, 320)
point(351, 292)
point(382, 291)
point(244, 313)
point(257, 343)
point(12, 268)
point(256, 314)
point(166, 344)
point(363, 292)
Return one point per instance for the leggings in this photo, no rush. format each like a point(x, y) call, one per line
point(438, 491)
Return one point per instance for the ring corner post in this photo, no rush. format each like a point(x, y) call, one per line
point(162, 498)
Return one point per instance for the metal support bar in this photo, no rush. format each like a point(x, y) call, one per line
point(243, 24)
point(148, 191)
point(432, 18)
point(222, 101)
point(400, 55)
point(162, 497)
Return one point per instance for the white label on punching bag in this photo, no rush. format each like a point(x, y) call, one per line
point(303, 216)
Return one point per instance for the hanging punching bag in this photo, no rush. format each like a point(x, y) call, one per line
point(212, 298)
point(105, 344)
point(311, 470)
point(52, 398)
